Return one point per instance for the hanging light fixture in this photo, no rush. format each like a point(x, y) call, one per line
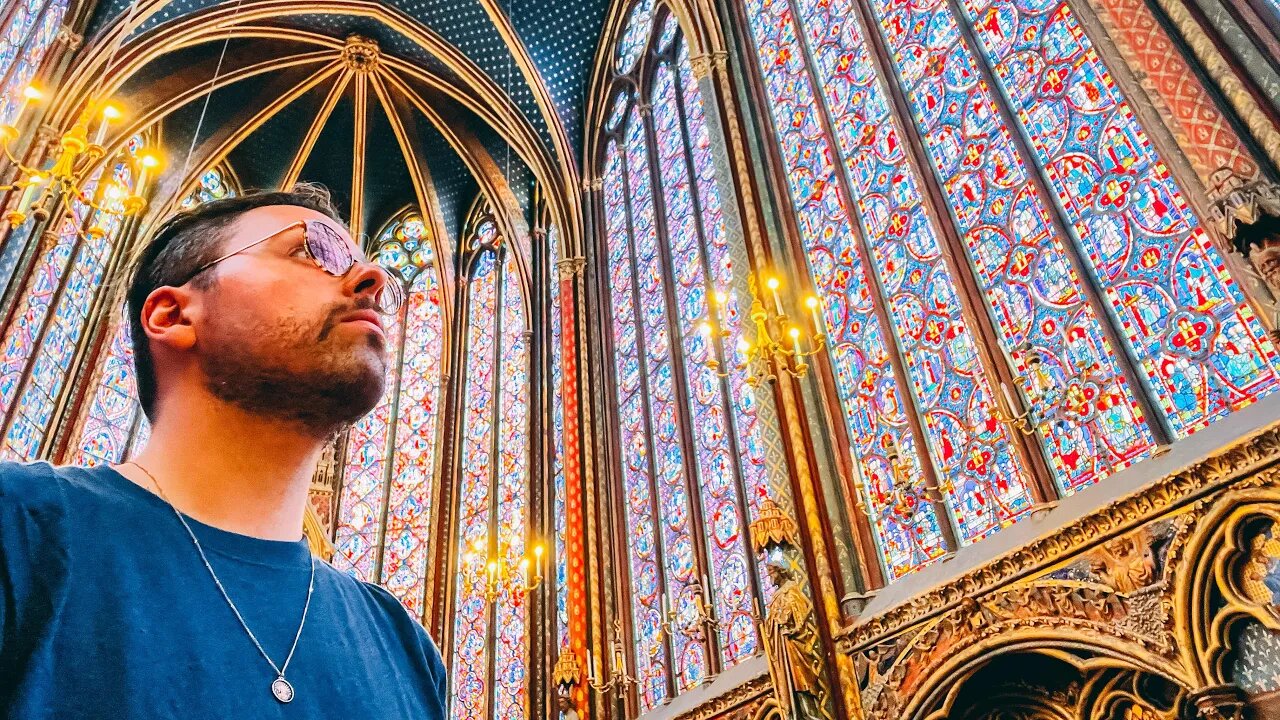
point(74, 171)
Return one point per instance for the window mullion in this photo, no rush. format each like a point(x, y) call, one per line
point(928, 470)
point(679, 373)
point(660, 550)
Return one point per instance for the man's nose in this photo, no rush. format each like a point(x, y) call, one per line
point(366, 279)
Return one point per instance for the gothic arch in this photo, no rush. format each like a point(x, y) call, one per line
point(1211, 596)
point(473, 91)
point(1083, 624)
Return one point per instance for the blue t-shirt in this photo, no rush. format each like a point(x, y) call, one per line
point(107, 611)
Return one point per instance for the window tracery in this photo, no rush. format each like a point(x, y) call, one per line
point(490, 635)
point(24, 42)
point(383, 532)
point(52, 312)
point(1108, 276)
point(691, 457)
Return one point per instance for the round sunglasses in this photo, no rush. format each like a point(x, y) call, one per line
point(332, 254)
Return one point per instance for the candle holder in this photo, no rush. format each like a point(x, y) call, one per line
point(71, 172)
point(704, 619)
point(1041, 399)
point(619, 679)
point(758, 359)
point(499, 575)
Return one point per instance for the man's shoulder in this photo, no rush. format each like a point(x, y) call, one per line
point(35, 485)
point(40, 485)
point(381, 605)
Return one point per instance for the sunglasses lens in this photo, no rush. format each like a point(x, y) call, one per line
point(328, 248)
point(391, 297)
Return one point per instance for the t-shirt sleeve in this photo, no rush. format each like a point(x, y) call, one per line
point(419, 643)
point(34, 558)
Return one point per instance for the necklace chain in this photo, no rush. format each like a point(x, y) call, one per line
point(280, 670)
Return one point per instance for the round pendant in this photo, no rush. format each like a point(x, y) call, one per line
point(282, 689)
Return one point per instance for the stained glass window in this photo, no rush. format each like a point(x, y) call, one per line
point(50, 319)
point(114, 418)
point(114, 424)
point(1134, 281)
point(384, 507)
point(490, 669)
point(213, 185)
point(24, 41)
point(691, 457)
point(560, 491)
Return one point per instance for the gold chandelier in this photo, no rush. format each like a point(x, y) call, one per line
point(495, 573)
point(755, 357)
point(75, 170)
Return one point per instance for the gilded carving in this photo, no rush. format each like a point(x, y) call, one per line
point(1151, 586)
point(1126, 563)
point(748, 701)
point(1259, 577)
point(361, 54)
point(792, 645)
point(790, 628)
point(1165, 495)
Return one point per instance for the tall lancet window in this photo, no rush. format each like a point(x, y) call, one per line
point(690, 453)
point(48, 324)
point(28, 29)
point(490, 635)
point(113, 426)
point(1096, 290)
point(559, 489)
point(383, 531)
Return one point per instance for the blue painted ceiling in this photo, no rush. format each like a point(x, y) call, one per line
point(560, 37)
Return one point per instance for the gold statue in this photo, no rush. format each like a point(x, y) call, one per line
point(792, 645)
point(790, 628)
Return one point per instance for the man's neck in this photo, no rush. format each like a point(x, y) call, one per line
point(226, 468)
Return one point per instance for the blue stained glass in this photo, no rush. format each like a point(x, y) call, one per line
point(75, 265)
point(682, 580)
point(114, 410)
point(23, 46)
point(635, 36)
point(1201, 348)
point(906, 528)
point(557, 440)
point(651, 656)
point(471, 621)
point(1092, 424)
point(986, 483)
point(709, 411)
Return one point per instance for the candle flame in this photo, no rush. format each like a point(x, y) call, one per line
point(771, 283)
point(31, 92)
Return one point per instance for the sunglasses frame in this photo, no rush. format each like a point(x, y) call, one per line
point(391, 289)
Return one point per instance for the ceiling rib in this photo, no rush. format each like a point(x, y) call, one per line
point(313, 133)
point(358, 154)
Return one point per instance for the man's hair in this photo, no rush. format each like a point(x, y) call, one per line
point(187, 241)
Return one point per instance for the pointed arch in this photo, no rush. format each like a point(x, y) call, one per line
point(489, 657)
point(51, 316)
point(689, 445)
point(385, 519)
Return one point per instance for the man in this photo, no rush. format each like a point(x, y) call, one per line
point(177, 585)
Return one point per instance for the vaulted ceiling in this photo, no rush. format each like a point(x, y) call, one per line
point(537, 53)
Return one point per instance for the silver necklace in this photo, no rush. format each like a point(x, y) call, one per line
point(280, 687)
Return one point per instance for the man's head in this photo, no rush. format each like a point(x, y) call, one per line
point(258, 324)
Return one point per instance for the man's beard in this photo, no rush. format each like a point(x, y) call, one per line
point(331, 388)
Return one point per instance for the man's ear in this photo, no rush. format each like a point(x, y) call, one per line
point(167, 317)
